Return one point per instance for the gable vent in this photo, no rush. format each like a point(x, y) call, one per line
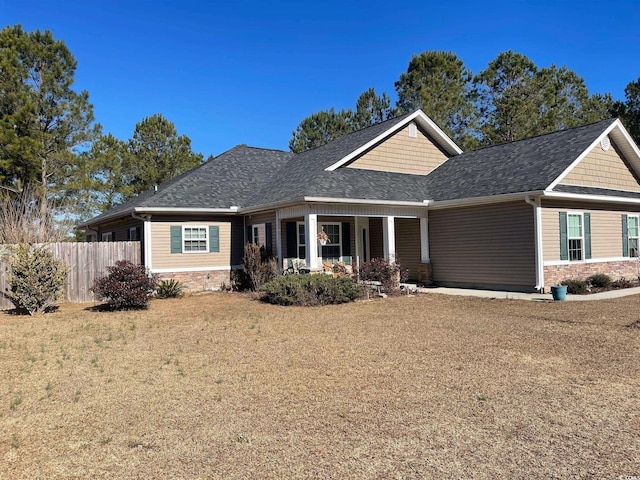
point(413, 130)
point(605, 143)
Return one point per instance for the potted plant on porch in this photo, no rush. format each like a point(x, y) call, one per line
point(323, 238)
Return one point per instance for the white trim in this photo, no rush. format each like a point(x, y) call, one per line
point(298, 244)
point(580, 214)
point(103, 236)
point(636, 238)
point(590, 198)
point(424, 240)
point(184, 210)
point(363, 201)
point(329, 244)
point(195, 269)
point(463, 202)
point(206, 238)
point(418, 115)
point(264, 231)
point(389, 238)
point(551, 263)
point(539, 251)
point(592, 186)
point(311, 230)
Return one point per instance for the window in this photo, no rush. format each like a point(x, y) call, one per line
point(107, 237)
point(301, 240)
point(258, 234)
point(575, 236)
point(194, 239)
point(332, 250)
point(133, 234)
point(633, 233)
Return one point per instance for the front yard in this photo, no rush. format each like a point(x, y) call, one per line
point(219, 386)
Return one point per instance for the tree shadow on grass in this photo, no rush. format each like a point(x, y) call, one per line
point(105, 307)
point(24, 311)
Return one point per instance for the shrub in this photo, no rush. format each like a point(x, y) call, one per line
point(258, 268)
point(575, 286)
point(126, 287)
point(389, 274)
point(310, 290)
point(599, 280)
point(36, 278)
point(623, 283)
point(169, 289)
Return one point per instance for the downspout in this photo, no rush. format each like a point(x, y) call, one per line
point(146, 219)
point(537, 213)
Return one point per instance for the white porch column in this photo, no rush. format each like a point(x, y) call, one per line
point(146, 232)
point(389, 238)
point(311, 232)
point(424, 240)
point(278, 240)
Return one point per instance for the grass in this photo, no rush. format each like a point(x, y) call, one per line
point(219, 386)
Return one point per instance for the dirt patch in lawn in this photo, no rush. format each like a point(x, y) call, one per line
point(220, 386)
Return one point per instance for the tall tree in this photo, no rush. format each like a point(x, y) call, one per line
point(371, 109)
point(156, 153)
point(324, 126)
point(439, 84)
point(506, 98)
point(320, 128)
point(43, 121)
point(629, 110)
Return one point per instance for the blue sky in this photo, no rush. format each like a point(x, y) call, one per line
point(248, 72)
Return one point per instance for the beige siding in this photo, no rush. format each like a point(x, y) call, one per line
point(162, 258)
point(603, 169)
point(606, 229)
point(408, 244)
point(403, 154)
point(491, 245)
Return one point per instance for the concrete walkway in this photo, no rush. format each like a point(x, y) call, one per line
point(469, 292)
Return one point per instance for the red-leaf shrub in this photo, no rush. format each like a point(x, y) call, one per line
point(127, 287)
point(389, 274)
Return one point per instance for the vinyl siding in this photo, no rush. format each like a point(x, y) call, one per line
point(408, 244)
point(120, 228)
point(264, 217)
point(603, 169)
point(403, 154)
point(484, 246)
point(606, 229)
point(162, 258)
point(321, 220)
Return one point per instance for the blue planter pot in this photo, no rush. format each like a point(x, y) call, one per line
point(559, 292)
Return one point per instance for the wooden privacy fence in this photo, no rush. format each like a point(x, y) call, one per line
point(86, 262)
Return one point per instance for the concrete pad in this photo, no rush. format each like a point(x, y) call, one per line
point(470, 292)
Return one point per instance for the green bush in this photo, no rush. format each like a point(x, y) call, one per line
point(169, 289)
point(127, 286)
point(308, 290)
point(599, 280)
point(37, 279)
point(576, 286)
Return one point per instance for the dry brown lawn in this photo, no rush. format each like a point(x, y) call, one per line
point(220, 386)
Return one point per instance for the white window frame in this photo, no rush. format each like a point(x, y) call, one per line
point(581, 238)
point(304, 240)
point(255, 238)
point(332, 244)
point(133, 232)
point(194, 227)
point(106, 237)
point(636, 238)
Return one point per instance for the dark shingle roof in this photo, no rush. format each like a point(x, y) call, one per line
point(251, 177)
point(525, 165)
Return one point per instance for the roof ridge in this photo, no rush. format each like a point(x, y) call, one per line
point(612, 119)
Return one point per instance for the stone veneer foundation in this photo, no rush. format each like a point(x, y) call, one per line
point(198, 281)
point(554, 274)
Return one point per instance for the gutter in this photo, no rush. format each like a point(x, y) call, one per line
point(537, 214)
point(464, 202)
point(359, 201)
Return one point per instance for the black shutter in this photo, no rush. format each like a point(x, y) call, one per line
point(292, 241)
point(346, 239)
point(268, 237)
point(138, 237)
point(247, 233)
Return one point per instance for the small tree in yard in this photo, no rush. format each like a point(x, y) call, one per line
point(127, 287)
point(36, 278)
point(258, 267)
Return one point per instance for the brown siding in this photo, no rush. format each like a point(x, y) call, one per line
point(120, 228)
point(408, 244)
point(603, 169)
point(485, 246)
point(401, 153)
point(162, 257)
point(375, 238)
point(606, 228)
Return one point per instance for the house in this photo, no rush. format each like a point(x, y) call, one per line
point(518, 216)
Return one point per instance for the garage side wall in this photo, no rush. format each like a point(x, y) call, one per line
point(488, 246)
